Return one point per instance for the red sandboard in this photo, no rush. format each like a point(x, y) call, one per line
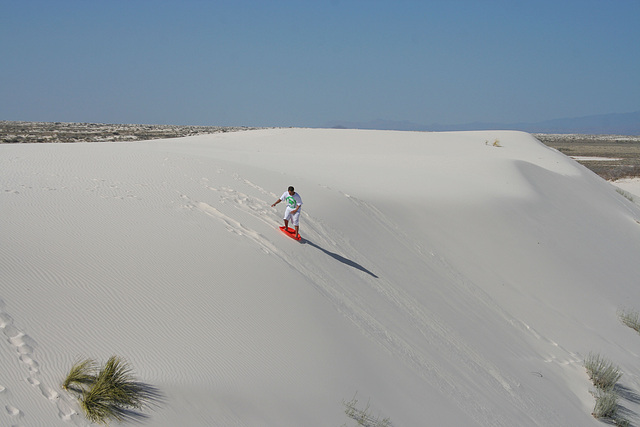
point(291, 232)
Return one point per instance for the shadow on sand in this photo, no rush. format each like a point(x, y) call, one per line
point(150, 398)
point(631, 396)
point(626, 393)
point(339, 257)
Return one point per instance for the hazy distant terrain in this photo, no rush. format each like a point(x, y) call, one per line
point(610, 156)
point(601, 124)
point(622, 152)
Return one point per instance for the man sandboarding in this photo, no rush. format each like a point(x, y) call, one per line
point(294, 204)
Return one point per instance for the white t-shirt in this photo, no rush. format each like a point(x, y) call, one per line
point(292, 201)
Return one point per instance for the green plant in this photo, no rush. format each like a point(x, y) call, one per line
point(602, 372)
point(629, 317)
point(99, 405)
point(81, 376)
point(622, 422)
point(606, 404)
point(112, 392)
point(363, 416)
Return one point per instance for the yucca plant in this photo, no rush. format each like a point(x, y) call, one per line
point(81, 376)
point(110, 393)
point(123, 388)
point(99, 406)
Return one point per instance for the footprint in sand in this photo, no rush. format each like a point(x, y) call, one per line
point(48, 392)
point(13, 411)
point(23, 343)
point(5, 320)
point(25, 349)
point(10, 332)
point(32, 364)
point(65, 412)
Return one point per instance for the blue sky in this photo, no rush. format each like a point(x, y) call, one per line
point(309, 63)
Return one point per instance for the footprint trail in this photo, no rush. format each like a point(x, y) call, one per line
point(24, 349)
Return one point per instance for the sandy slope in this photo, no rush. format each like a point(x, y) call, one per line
point(446, 280)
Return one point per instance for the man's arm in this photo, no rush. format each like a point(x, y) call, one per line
point(277, 201)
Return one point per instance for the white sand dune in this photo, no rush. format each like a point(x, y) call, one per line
point(446, 281)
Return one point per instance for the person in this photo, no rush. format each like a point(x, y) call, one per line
point(294, 204)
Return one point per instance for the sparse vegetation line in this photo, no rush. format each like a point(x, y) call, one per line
point(32, 132)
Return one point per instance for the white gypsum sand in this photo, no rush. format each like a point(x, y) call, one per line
point(442, 280)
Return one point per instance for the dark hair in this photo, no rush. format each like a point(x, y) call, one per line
point(291, 188)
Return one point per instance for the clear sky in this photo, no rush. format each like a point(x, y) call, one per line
point(308, 63)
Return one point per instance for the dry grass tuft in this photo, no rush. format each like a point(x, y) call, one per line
point(602, 372)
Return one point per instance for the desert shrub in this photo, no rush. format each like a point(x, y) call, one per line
point(363, 416)
point(109, 393)
point(622, 422)
point(630, 318)
point(606, 403)
point(496, 143)
point(625, 194)
point(602, 372)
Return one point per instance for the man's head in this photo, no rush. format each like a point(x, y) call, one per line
point(291, 191)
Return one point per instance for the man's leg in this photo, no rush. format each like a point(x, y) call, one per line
point(286, 224)
point(296, 222)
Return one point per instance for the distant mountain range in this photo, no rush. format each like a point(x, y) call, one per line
point(603, 124)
